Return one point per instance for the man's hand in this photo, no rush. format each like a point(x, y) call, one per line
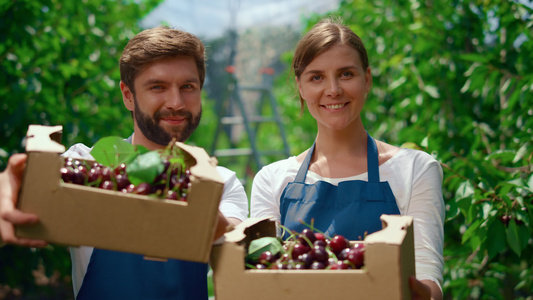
point(224, 225)
point(10, 181)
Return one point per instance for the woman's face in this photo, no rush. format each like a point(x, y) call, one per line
point(334, 86)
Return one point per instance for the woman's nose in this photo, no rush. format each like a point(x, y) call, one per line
point(334, 89)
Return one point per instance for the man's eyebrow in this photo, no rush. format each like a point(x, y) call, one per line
point(159, 81)
point(152, 82)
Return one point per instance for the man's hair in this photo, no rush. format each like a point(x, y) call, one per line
point(159, 43)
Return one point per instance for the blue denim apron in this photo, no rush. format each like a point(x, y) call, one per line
point(351, 209)
point(117, 275)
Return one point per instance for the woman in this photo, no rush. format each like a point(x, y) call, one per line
point(346, 180)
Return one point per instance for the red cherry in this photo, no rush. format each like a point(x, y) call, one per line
point(299, 249)
point(338, 243)
point(356, 257)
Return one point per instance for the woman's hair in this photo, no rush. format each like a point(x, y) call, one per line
point(324, 35)
point(158, 43)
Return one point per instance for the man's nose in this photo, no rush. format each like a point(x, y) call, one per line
point(174, 100)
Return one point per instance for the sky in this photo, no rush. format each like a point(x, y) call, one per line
point(211, 18)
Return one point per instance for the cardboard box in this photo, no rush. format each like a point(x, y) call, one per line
point(77, 215)
point(389, 261)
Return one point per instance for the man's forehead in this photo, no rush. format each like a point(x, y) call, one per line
point(181, 67)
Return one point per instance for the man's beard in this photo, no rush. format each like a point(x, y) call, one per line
point(150, 128)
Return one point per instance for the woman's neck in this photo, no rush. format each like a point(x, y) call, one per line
point(340, 153)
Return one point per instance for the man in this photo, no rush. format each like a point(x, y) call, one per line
point(162, 74)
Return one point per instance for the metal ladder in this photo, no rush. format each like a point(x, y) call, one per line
point(232, 111)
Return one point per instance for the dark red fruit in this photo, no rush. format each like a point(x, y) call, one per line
point(122, 181)
point(94, 175)
point(307, 237)
point(105, 173)
point(299, 249)
point(319, 236)
point(107, 185)
point(66, 174)
point(338, 243)
point(356, 257)
point(320, 243)
point(307, 259)
point(318, 266)
point(120, 169)
point(267, 258)
point(343, 254)
point(340, 265)
point(172, 195)
point(320, 254)
point(78, 177)
point(144, 189)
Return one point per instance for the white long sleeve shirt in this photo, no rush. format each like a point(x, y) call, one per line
point(415, 178)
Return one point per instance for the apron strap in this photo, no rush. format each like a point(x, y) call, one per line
point(372, 160)
point(302, 172)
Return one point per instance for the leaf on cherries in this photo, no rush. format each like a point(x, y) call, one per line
point(145, 167)
point(258, 246)
point(112, 151)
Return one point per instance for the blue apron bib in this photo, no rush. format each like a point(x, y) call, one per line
point(351, 209)
point(117, 275)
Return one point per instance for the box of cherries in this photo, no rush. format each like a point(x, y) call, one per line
point(160, 203)
point(253, 262)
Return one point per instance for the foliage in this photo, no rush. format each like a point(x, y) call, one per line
point(453, 77)
point(59, 66)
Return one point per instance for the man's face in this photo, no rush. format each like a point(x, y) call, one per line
point(167, 101)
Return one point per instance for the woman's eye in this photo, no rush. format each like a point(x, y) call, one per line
point(316, 77)
point(346, 74)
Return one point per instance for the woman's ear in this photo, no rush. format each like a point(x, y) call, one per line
point(298, 85)
point(127, 96)
point(368, 80)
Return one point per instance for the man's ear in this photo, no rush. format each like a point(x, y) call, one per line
point(127, 96)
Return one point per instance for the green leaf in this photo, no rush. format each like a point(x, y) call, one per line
point(145, 167)
point(471, 230)
point(112, 151)
point(497, 241)
point(506, 155)
point(263, 244)
point(465, 190)
point(474, 57)
point(513, 237)
point(520, 153)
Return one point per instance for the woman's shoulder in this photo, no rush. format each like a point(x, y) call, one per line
point(283, 165)
point(413, 158)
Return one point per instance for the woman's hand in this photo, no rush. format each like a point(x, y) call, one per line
point(424, 290)
point(10, 181)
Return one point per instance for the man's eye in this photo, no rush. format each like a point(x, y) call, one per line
point(157, 87)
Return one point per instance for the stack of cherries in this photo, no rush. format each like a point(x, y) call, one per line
point(173, 183)
point(312, 250)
